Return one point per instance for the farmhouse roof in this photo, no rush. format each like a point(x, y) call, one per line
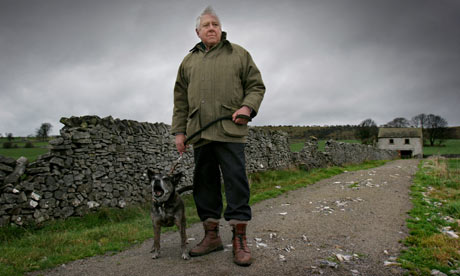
point(399, 132)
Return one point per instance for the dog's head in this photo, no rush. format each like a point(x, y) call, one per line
point(163, 186)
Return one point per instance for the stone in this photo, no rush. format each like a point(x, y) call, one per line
point(27, 186)
point(436, 272)
point(2, 176)
point(391, 263)
point(60, 194)
point(37, 214)
point(81, 210)
point(68, 180)
point(108, 188)
point(10, 198)
point(326, 263)
point(35, 196)
point(92, 204)
point(18, 171)
point(79, 135)
point(7, 160)
point(67, 212)
point(38, 170)
point(22, 197)
point(343, 258)
point(17, 220)
point(76, 202)
point(51, 184)
point(5, 168)
point(57, 141)
point(33, 203)
point(57, 161)
point(43, 204)
point(122, 203)
point(98, 174)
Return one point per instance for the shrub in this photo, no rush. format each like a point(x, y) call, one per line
point(28, 145)
point(8, 145)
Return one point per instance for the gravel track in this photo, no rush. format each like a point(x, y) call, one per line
point(357, 216)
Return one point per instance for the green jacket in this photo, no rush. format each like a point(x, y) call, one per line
point(214, 84)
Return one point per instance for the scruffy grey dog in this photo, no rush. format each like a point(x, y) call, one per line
point(167, 209)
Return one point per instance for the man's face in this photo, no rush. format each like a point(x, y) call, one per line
point(210, 31)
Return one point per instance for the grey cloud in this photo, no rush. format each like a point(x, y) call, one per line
point(324, 62)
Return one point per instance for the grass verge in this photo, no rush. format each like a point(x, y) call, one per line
point(112, 230)
point(436, 199)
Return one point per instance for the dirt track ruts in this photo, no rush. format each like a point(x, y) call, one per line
point(358, 213)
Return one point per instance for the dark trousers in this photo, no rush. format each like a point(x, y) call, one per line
point(210, 160)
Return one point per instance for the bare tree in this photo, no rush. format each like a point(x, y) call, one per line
point(398, 122)
point(367, 131)
point(436, 127)
point(419, 121)
point(43, 131)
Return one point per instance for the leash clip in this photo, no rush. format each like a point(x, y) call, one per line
point(175, 165)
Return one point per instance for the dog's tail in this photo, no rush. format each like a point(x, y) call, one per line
point(184, 189)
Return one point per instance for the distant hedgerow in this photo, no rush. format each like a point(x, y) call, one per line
point(8, 145)
point(28, 145)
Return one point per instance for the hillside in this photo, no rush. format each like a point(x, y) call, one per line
point(345, 132)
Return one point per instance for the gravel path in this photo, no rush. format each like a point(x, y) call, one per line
point(356, 216)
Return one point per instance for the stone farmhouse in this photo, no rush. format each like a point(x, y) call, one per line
point(407, 141)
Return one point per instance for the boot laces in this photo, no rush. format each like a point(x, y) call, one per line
point(240, 240)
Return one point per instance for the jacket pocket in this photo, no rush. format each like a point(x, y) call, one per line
point(193, 124)
point(230, 128)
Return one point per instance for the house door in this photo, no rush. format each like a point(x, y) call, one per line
point(405, 154)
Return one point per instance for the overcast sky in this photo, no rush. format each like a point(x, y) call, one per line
point(324, 62)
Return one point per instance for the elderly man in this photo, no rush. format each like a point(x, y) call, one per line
point(217, 78)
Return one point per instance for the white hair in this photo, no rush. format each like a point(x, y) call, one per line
point(207, 11)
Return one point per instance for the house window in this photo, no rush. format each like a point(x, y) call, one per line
point(406, 141)
point(392, 141)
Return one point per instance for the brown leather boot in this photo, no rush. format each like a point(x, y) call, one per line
point(241, 252)
point(211, 241)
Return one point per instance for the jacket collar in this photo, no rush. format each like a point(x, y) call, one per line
point(223, 40)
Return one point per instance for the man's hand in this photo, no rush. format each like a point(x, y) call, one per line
point(180, 140)
point(242, 111)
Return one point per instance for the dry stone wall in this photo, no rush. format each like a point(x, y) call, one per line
point(102, 162)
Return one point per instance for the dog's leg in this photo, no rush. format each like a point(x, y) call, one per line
point(156, 240)
point(181, 224)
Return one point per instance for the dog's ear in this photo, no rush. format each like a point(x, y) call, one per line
point(175, 179)
point(150, 174)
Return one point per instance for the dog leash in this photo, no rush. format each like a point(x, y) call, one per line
point(228, 117)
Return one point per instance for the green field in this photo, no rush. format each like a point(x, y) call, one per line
point(18, 149)
point(451, 146)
